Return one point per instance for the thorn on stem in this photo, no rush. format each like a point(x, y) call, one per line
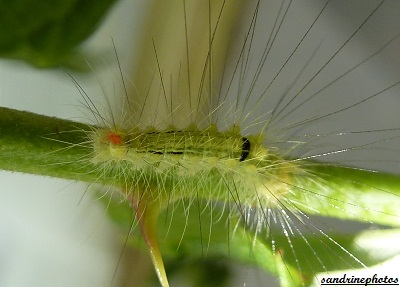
point(147, 215)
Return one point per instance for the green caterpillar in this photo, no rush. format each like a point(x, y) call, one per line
point(206, 162)
point(169, 147)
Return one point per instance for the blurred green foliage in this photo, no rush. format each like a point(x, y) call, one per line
point(192, 244)
point(46, 33)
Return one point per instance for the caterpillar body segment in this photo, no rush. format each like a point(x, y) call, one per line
point(180, 163)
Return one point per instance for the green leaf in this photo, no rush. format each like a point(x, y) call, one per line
point(46, 33)
point(295, 262)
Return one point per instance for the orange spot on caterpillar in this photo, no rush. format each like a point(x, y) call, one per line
point(114, 138)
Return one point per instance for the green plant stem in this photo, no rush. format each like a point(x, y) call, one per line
point(43, 145)
point(49, 146)
point(351, 194)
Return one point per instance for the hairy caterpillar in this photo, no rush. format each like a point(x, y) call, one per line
point(229, 146)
